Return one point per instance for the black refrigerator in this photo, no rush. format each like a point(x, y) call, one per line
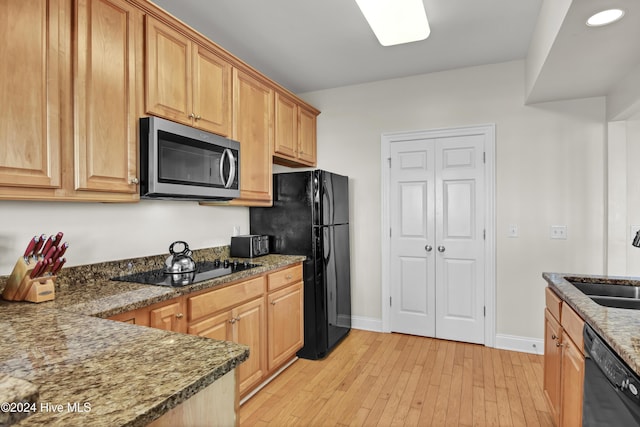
point(310, 216)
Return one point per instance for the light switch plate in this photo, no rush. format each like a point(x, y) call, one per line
point(513, 230)
point(559, 232)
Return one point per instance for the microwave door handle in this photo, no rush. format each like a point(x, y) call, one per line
point(232, 168)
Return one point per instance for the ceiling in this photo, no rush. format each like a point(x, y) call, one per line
point(308, 45)
point(313, 45)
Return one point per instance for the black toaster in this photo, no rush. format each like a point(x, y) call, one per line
point(249, 246)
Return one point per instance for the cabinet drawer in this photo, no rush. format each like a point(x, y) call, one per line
point(573, 325)
point(554, 303)
point(221, 299)
point(285, 277)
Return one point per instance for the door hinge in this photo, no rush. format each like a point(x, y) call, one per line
point(484, 157)
point(485, 310)
point(390, 232)
point(389, 160)
point(389, 301)
point(484, 234)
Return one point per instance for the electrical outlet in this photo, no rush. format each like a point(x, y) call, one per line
point(559, 232)
point(634, 230)
point(513, 230)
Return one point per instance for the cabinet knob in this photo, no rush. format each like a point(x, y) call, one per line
point(133, 180)
point(288, 277)
point(198, 117)
point(179, 316)
point(192, 116)
point(554, 337)
point(273, 303)
point(232, 320)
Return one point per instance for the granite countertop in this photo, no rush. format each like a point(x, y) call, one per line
point(62, 353)
point(619, 327)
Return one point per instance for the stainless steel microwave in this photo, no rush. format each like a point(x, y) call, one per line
point(179, 162)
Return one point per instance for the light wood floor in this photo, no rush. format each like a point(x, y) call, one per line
point(375, 379)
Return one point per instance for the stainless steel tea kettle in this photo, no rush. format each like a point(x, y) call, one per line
point(179, 262)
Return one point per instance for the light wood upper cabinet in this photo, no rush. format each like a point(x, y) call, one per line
point(31, 98)
point(307, 136)
point(107, 73)
point(185, 81)
point(253, 128)
point(295, 133)
point(286, 133)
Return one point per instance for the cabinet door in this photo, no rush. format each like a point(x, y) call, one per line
point(168, 72)
point(31, 73)
point(285, 324)
point(169, 316)
point(138, 317)
point(286, 126)
point(219, 327)
point(253, 128)
point(105, 105)
point(552, 364)
point(211, 91)
point(572, 384)
point(307, 137)
point(249, 321)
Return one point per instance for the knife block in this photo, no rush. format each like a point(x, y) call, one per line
point(21, 287)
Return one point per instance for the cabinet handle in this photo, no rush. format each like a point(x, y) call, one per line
point(559, 344)
point(554, 337)
point(238, 319)
point(273, 303)
point(179, 316)
point(133, 180)
point(288, 277)
point(197, 117)
point(232, 320)
point(192, 116)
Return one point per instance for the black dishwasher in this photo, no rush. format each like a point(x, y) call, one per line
point(611, 388)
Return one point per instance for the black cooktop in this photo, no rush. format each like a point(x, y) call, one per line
point(205, 270)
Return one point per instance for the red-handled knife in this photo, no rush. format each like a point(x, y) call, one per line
point(61, 250)
point(37, 269)
point(58, 239)
point(58, 265)
point(30, 247)
point(47, 246)
point(39, 245)
point(50, 253)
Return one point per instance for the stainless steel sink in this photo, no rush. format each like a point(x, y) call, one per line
point(613, 293)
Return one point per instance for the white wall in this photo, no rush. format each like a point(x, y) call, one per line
point(99, 232)
point(550, 170)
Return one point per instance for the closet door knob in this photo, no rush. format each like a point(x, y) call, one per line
point(428, 248)
point(441, 248)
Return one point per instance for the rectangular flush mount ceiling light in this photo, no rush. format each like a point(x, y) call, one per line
point(396, 21)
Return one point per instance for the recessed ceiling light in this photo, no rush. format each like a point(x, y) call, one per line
point(396, 21)
point(605, 17)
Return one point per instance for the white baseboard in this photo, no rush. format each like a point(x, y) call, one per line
point(366, 323)
point(502, 341)
point(524, 344)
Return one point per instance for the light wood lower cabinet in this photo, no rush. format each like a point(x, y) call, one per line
point(563, 362)
point(216, 405)
point(264, 312)
point(285, 320)
point(169, 316)
point(243, 324)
